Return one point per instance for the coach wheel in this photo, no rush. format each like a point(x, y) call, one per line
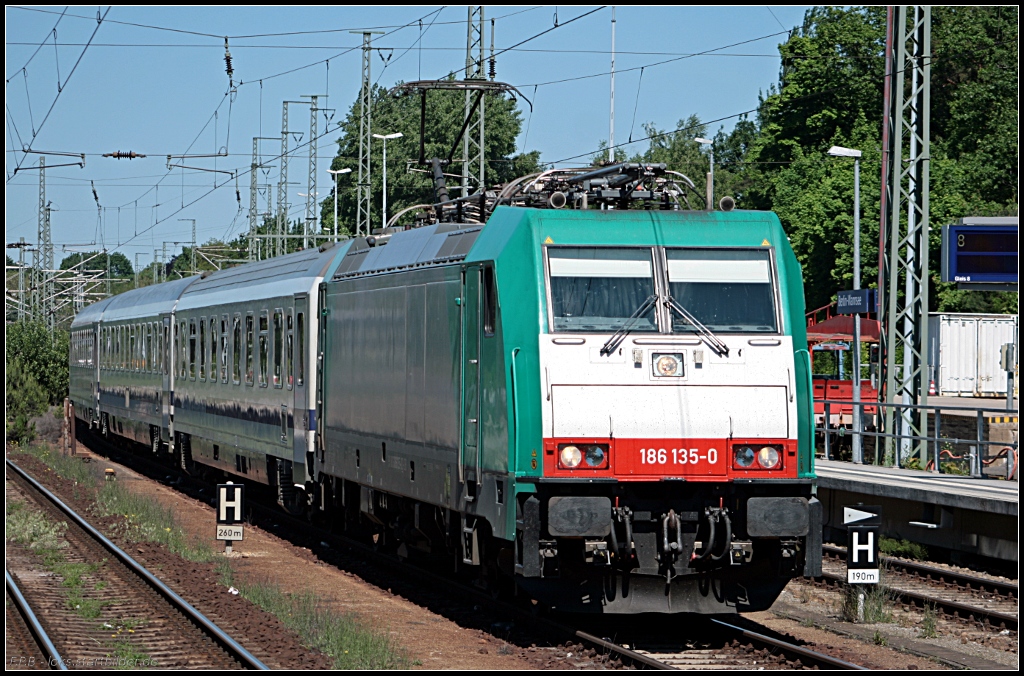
point(154, 440)
point(105, 426)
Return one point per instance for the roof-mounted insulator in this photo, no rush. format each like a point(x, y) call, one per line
point(227, 64)
point(123, 155)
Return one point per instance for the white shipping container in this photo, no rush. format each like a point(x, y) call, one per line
point(964, 352)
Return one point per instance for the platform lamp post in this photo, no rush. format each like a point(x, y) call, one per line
point(337, 173)
point(711, 174)
point(858, 445)
point(385, 138)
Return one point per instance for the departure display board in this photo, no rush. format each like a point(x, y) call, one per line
point(980, 250)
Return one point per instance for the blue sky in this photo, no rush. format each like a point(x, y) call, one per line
point(157, 88)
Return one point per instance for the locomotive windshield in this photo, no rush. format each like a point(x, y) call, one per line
point(728, 290)
point(598, 289)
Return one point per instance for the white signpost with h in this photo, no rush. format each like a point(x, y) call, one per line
point(230, 513)
point(862, 566)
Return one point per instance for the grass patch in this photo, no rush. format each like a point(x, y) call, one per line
point(878, 602)
point(903, 549)
point(349, 642)
point(64, 466)
point(146, 520)
point(929, 626)
point(879, 639)
point(44, 536)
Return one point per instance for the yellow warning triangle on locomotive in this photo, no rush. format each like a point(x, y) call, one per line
point(549, 241)
point(765, 242)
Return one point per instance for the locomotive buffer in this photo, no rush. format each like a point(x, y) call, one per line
point(230, 502)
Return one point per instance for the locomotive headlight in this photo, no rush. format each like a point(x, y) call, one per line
point(570, 457)
point(596, 456)
point(743, 456)
point(768, 457)
point(668, 365)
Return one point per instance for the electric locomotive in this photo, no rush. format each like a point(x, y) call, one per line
point(574, 384)
point(609, 406)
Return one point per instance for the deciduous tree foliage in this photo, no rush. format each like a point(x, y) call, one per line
point(445, 115)
point(830, 93)
point(43, 356)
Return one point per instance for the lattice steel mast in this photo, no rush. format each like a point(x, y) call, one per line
point(903, 246)
point(473, 140)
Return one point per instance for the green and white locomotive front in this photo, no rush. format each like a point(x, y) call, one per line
point(662, 407)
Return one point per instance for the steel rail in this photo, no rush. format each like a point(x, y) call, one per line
point(229, 644)
point(962, 610)
point(52, 655)
point(1003, 587)
point(800, 651)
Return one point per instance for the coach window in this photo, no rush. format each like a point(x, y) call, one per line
point(133, 355)
point(144, 347)
point(202, 349)
point(264, 354)
point(223, 348)
point(214, 342)
point(236, 349)
point(490, 302)
point(289, 350)
point(161, 332)
point(192, 349)
point(301, 339)
point(278, 346)
point(248, 348)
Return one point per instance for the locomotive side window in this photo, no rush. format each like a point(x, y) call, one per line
point(490, 302)
point(223, 348)
point(264, 355)
point(599, 289)
point(301, 328)
point(236, 349)
point(289, 351)
point(278, 346)
point(248, 348)
point(728, 290)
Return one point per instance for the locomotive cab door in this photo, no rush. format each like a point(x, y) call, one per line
point(472, 286)
point(297, 352)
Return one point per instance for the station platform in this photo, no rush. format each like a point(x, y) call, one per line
point(982, 494)
point(962, 515)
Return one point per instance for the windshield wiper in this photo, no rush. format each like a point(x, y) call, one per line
point(613, 343)
point(716, 344)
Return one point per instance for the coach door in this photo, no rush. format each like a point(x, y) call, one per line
point(297, 351)
point(472, 282)
point(164, 352)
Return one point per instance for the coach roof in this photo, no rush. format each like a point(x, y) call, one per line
point(271, 278)
point(149, 301)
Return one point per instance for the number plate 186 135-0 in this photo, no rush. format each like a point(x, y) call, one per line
point(231, 533)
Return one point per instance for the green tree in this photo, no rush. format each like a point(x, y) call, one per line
point(120, 266)
point(42, 355)
point(407, 185)
point(25, 400)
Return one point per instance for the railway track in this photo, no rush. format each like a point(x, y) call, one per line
point(28, 644)
point(136, 620)
point(992, 604)
point(722, 644)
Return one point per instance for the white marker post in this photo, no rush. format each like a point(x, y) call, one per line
point(230, 511)
point(862, 566)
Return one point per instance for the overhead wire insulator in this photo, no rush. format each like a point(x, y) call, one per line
point(228, 68)
point(123, 155)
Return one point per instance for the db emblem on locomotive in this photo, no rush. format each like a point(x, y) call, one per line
point(668, 364)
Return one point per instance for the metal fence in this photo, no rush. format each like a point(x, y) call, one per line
point(899, 447)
